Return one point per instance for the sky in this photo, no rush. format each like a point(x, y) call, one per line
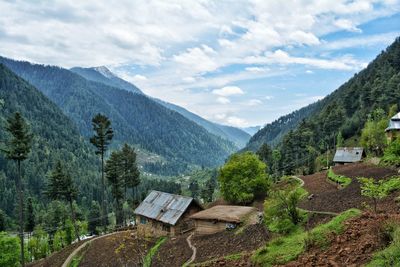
point(240, 63)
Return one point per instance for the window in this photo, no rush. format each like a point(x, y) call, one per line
point(143, 220)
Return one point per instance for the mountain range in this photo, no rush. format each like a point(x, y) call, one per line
point(136, 118)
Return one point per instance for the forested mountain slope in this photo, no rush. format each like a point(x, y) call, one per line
point(345, 110)
point(103, 75)
point(273, 132)
point(55, 138)
point(135, 118)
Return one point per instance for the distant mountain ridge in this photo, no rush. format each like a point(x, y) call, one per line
point(104, 75)
point(136, 119)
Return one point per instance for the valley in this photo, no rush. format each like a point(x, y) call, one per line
point(199, 134)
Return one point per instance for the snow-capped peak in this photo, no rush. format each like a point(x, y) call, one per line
point(104, 71)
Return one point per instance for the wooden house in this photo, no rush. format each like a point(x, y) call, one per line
point(220, 218)
point(165, 214)
point(393, 130)
point(348, 155)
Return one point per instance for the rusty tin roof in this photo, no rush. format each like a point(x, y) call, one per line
point(164, 207)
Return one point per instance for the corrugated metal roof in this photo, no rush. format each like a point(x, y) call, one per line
point(394, 124)
point(348, 154)
point(164, 207)
point(396, 117)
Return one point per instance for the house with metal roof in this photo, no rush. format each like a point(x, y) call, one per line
point(393, 130)
point(162, 213)
point(221, 217)
point(348, 155)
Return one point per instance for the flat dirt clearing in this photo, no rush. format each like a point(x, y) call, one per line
point(119, 249)
point(328, 198)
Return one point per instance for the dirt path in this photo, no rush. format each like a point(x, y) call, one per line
point(300, 180)
point(194, 249)
point(76, 251)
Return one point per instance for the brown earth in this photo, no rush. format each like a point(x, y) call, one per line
point(57, 258)
point(175, 251)
point(227, 243)
point(327, 197)
point(243, 261)
point(120, 249)
point(354, 247)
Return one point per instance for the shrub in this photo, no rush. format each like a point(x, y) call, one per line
point(9, 250)
point(287, 248)
point(390, 256)
point(281, 214)
point(339, 179)
point(391, 156)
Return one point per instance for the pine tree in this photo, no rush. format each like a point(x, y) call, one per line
point(114, 176)
point(2, 221)
point(94, 218)
point(30, 223)
point(101, 139)
point(130, 171)
point(339, 140)
point(17, 149)
point(61, 187)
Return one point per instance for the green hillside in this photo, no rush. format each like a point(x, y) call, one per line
point(136, 119)
point(312, 130)
point(55, 138)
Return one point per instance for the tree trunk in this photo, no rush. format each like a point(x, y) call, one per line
point(21, 212)
point(74, 219)
point(103, 200)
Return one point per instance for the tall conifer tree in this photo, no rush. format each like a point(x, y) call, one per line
point(18, 147)
point(101, 140)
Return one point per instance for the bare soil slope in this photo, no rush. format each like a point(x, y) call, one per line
point(120, 249)
point(354, 247)
point(327, 197)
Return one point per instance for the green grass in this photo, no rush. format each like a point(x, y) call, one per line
point(284, 249)
point(391, 185)
point(153, 251)
point(340, 179)
point(390, 256)
point(79, 256)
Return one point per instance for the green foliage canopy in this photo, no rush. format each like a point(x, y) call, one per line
point(243, 178)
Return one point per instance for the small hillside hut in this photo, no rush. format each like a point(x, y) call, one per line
point(165, 214)
point(348, 155)
point(220, 218)
point(393, 130)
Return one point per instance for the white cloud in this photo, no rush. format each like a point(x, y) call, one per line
point(228, 91)
point(253, 102)
point(199, 59)
point(181, 49)
point(236, 121)
point(268, 97)
point(309, 72)
point(346, 24)
point(223, 100)
point(139, 78)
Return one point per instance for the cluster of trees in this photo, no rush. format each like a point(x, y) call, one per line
point(122, 174)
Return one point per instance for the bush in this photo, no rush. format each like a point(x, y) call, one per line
point(281, 214)
point(243, 178)
point(9, 250)
point(287, 248)
point(390, 256)
point(391, 156)
point(339, 179)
